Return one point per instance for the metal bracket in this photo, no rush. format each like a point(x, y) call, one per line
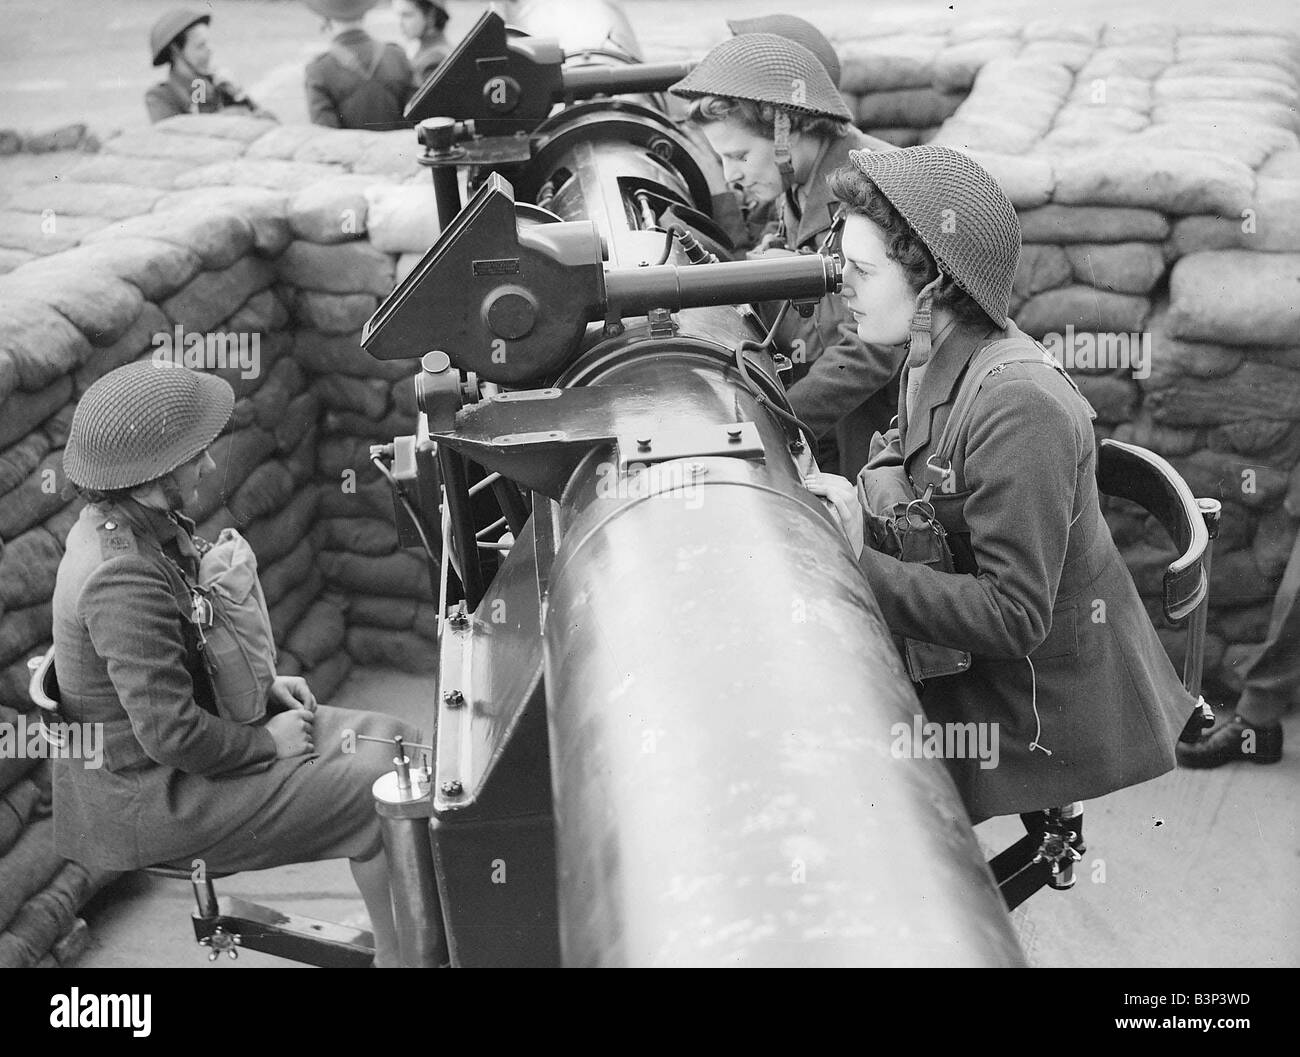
point(738, 439)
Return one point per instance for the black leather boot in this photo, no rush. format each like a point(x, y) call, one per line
point(1233, 739)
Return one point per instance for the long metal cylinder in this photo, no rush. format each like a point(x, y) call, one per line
point(723, 701)
point(585, 81)
point(802, 276)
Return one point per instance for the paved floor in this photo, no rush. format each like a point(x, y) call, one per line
point(1193, 869)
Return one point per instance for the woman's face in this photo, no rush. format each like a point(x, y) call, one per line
point(188, 475)
point(875, 287)
point(197, 51)
point(748, 159)
point(410, 19)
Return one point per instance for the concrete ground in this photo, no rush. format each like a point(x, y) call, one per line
point(1198, 868)
point(1193, 869)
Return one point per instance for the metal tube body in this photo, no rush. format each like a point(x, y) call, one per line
point(723, 695)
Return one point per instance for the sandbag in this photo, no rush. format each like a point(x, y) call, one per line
point(1124, 267)
point(48, 915)
point(19, 460)
point(334, 313)
point(318, 635)
point(1145, 432)
point(907, 107)
point(217, 237)
point(330, 210)
point(389, 648)
point(1273, 542)
point(267, 488)
point(37, 339)
point(365, 396)
point(360, 535)
point(262, 174)
point(1060, 224)
point(236, 456)
point(1255, 390)
point(38, 497)
point(1026, 180)
point(401, 573)
point(1084, 308)
point(28, 564)
point(1172, 181)
point(22, 412)
point(19, 801)
point(402, 218)
point(328, 676)
point(1114, 397)
point(273, 536)
point(282, 576)
point(381, 611)
point(30, 865)
point(1237, 297)
point(114, 201)
point(286, 613)
point(272, 399)
point(1222, 475)
point(883, 63)
point(260, 208)
point(956, 66)
point(210, 297)
point(148, 173)
point(44, 233)
point(1041, 267)
point(139, 339)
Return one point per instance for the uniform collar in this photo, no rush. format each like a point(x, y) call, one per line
point(944, 369)
point(161, 526)
point(352, 36)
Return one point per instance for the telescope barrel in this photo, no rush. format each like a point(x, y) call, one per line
point(797, 277)
point(582, 82)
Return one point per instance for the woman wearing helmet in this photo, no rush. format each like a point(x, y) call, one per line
point(423, 22)
point(179, 39)
point(1064, 658)
point(177, 781)
point(770, 111)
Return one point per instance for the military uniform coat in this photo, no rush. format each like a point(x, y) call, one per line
point(1064, 654)
point(177, 781)
point(847, 387)
point(181, 95)
point(340, 95)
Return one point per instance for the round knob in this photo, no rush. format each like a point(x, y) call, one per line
point(511, 313)
point(435, 362)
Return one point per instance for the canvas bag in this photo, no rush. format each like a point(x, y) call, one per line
point(901, 523)
point(232, 624)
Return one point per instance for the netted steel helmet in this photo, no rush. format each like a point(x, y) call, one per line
point(796, 29)
point(169, 27)
point(958, 210)
point(141, 421)
point(766, 68)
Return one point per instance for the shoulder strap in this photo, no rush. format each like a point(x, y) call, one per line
point(347, 58)
point(989, 360)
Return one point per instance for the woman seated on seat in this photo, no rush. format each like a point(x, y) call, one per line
point(1064, 658)
point(179, 782)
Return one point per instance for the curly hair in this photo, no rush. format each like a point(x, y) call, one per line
point(862, 198)
point(760, 118)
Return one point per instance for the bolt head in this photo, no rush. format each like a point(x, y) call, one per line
point(452, 788)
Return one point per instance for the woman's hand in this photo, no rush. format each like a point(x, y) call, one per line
point(842, 497)
point(292, 691)
point(291, 732)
